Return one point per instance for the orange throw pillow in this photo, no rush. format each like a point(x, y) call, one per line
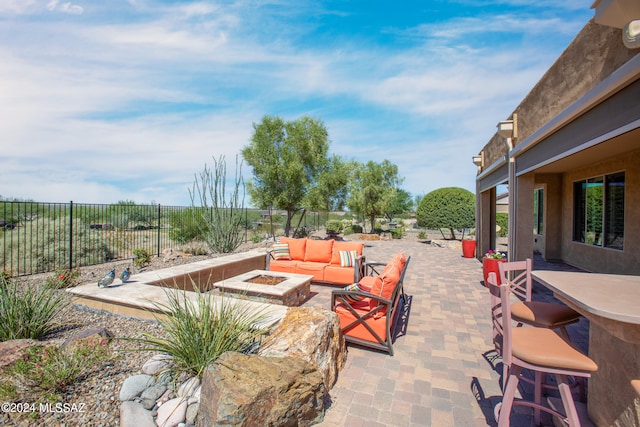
point(296, 247)
point(318, 251)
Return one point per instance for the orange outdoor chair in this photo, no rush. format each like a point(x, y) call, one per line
point(366, 318)
point(540, 350)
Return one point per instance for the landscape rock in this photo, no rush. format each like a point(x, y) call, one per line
point(172, 413)
point(157, 364)
point(192, 413)
point(151, 394)
point(250, 390)
point(91, 336)
point(11, 351)
point(188, 387)
point(311, 334)
point(132, 414)
point(134, 385)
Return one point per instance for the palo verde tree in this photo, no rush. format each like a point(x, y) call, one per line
point(450, 207)
point(289, 162)
point(372, 188)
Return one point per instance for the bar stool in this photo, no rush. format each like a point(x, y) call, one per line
point(540, 350)
point(534, 313)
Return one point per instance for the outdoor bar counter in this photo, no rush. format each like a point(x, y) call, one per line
point(612, 305)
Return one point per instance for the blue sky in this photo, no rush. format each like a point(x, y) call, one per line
point(113, 100)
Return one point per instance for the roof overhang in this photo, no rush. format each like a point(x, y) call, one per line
point(616, 13)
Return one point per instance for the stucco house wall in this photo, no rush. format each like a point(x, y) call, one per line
point(592, 60)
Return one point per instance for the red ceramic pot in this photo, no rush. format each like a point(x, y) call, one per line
point(491, 265)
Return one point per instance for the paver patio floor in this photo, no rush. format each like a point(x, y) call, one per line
point(442, 372)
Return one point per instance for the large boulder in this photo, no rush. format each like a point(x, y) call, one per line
point(251, 390)
point(311, 334)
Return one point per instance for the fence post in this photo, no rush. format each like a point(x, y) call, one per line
point(158, 229)
point(71, 235)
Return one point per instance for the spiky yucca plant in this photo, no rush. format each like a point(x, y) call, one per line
point(198, 331)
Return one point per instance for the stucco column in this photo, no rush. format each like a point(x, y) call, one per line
point(522, 247)
point(486, 222)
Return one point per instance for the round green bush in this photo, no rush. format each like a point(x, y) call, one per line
point(451, 207)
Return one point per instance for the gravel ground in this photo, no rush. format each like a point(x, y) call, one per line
point(98, 394)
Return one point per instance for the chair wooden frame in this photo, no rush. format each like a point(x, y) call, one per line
point(341, 296)
point(503, 338)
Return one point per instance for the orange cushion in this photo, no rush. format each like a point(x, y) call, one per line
point(359, 330)
point(345, 246)
point(390, 277)
point(338, 275)
point(296, 247)
point(283, 266)
point(315, 269)
point(318, 251)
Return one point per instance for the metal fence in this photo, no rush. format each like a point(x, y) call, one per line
point(40, 237)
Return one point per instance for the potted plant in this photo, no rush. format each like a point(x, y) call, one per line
point(490, 264)
point(468, 247)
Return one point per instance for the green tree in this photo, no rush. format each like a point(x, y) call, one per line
point(450, 208)
point(372, 188)
point(399, 202)
point(290, 164)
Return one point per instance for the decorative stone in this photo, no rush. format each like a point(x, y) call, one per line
point(196, 393)
point(188, 387)
point(11, 351)
point(249, 390)
point(132, 414)
point(91, 336)
point(168, 394)
point(172, 413)
point(134, 385)
point(311, 334)
point(157, 364)
point(151, 394)
point(192, 412)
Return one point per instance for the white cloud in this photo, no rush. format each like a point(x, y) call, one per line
point(65, 7)
point(17, 7)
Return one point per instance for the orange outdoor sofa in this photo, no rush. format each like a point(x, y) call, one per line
point(367, 309)
point(328, 261)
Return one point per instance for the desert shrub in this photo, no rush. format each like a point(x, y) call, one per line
point(45, 372)
point(451, 208)
point(44, 245)
point(397, 233)
point(334, 225)
point(186, 225)
point(422, 234)
point(352, 229)
point(63, 278)
point(198, 332)
point(256, 238)
point(141, 256)
point(195, 248)
point(28, 311)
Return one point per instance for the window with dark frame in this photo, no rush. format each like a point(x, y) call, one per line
point(598, 218)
